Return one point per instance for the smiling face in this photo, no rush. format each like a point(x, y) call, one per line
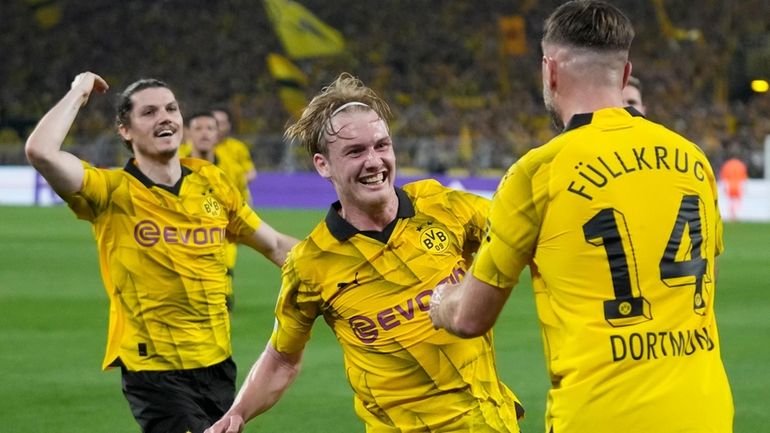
point(155, 126)
point(360, 162)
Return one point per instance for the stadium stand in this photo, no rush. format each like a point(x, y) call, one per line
point(460, 99)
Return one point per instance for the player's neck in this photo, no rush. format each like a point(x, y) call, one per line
point(374, 218)
point(589, 101)
point(161, 171)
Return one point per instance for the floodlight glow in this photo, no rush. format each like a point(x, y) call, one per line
point(760, 86)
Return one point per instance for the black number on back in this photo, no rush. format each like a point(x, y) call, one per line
point(682, 262)
point(682, 268)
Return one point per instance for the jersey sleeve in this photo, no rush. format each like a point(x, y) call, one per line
point(244, 220)
point(472, 210)
point(93, 195)
point(296, 310)
point(511, 232)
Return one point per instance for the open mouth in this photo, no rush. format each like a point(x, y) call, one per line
point(375, 179)
point(165, 131)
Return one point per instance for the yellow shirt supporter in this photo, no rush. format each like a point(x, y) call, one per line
point(233, 157)
point(162, 260)
point(617, 218)
point(373, 290)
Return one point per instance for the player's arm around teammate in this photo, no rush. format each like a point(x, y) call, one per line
point(271, 243)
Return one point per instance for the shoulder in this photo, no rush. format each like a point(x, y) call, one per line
point(201, 167)
point(233, 143)
point(430, 196)
point(425, 188)
point(305, 257)
point(112, 176)
point(206, 173)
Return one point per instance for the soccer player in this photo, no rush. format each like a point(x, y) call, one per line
point(203, 135)
point(160, 226)
point(632, 94)
point(368, 269)
point(236, 149)
point(617, 219)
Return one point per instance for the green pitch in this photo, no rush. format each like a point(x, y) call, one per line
point(53, 324)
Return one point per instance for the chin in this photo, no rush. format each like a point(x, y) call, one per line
point(168, 153)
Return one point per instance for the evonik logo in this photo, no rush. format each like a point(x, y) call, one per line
point(366, 329)
point(147, 233)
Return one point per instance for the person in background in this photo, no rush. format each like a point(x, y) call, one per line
point(617, 218)
point(632, 95)
point(236, 149)
point(369, 269)
point(733, 174)
point(203, 135)
point(161, 226)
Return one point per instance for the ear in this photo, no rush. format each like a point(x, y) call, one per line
point(123, 131)
point(321, 165)
point(550, 72)
point(626, 73)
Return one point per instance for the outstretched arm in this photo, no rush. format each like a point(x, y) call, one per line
point(269, 377)
point(468, 309)
point(272, 244)
point(62, 170)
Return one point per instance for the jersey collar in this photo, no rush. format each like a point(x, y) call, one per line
point(343, 230)
point(582, 119)
point(133, 170)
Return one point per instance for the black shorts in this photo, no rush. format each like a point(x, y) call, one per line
point(180, 401)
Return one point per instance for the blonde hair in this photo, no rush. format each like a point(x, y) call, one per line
point(346, 94)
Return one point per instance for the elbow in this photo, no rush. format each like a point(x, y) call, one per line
point(33, 154)
point(36, 154)
point(469, 327)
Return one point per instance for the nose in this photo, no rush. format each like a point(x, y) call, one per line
point(372, 159)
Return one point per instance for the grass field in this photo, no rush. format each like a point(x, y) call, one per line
point(53, 323)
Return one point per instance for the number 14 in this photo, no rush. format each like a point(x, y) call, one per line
point(626, 308)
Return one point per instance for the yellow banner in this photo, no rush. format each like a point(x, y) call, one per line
point(513, 34)
point(291, 83)
point(302, 33)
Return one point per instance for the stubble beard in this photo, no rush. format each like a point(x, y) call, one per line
point(552, 110)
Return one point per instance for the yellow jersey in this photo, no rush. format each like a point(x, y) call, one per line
point(233, 157)
point(617, 218)
point(162, 261)
point(373, 290)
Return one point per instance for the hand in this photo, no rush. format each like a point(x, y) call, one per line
point(87, 82)
point(435, 301)
point(229, 423)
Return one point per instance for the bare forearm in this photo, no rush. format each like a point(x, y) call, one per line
point(468, 309)
point(48, 135)
point(444, 304)
point(272, 244)
point(269, 377)
point(283, 246)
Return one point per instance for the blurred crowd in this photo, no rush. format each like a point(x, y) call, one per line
point(459, 99)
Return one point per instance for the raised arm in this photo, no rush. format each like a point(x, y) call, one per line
point(272, 244)
point(269, 377)
point(62, 170)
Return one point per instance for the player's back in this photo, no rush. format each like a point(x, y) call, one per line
point(624, 278)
